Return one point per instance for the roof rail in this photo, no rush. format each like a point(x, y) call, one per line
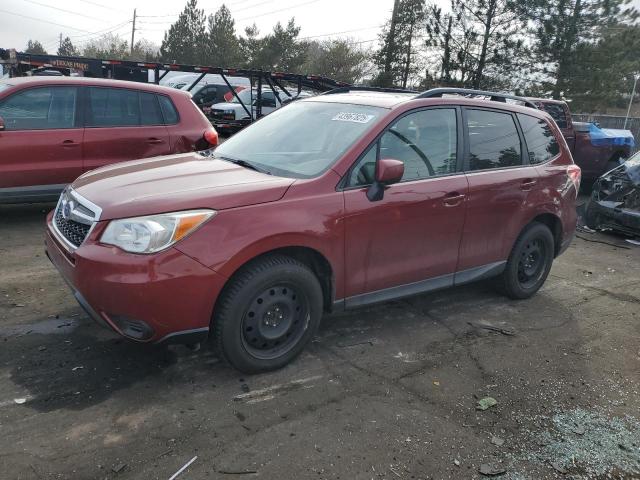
point(468, 92)
point(347, 89)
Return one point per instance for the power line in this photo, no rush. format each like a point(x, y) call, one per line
point(43, 21)
point(277, 11)
point(340, 33)
point(105, 30)
point(64, 10)
point(106, 7)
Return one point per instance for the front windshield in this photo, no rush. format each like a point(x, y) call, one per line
point(245, 96)
point(4, 86)
point(301, 140)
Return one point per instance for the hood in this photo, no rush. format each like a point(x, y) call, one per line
point(174, 183)
point(227, 106)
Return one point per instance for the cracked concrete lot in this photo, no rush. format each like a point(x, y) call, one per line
point(382, 393)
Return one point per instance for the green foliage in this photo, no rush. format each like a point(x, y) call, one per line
point(223, 46)
point(478, 44)
point(185, 40)
point(67, 48)
point(35, 47)
point(396, 59)
point(341, 59)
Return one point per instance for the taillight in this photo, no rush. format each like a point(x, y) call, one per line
point(575, 175)
point(211, 136)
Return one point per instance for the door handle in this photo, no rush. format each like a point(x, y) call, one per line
point(453, 199)
point(70, 143)
point(528, 184)
point(154, 140)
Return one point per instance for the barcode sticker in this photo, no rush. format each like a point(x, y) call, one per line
point(353, 117)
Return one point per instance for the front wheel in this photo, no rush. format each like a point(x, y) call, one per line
point(529, 262)
point(267, 314)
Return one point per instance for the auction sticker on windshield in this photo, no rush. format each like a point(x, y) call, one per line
point(353, 117)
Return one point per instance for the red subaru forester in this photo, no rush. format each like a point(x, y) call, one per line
point(332, 202)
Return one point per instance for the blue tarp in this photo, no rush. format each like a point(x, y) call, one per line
point(610, 136)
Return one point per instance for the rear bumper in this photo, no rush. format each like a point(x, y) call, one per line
point(166, 297)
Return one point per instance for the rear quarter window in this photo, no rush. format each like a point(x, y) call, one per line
point(169, 111)
point(557, 113)
point(542, 145)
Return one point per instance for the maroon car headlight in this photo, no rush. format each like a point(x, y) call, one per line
point(153, 233)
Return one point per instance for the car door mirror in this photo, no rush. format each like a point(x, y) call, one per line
point(2, 127)
point(388, 172)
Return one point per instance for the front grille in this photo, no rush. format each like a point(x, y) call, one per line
point(73, 231)
point(74, 217)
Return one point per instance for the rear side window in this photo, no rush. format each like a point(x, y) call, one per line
point(494, 141)
point(40, 109)
point(150, 113)
point(113, 107)
point(557, 112)
point(541, 143)
point(168, 110)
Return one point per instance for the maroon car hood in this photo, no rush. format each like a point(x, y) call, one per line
point(176, 182)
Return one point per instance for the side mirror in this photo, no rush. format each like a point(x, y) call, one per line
point(2, 127)
point(388, 172)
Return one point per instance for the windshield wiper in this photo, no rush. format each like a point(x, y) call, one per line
point(245, 164)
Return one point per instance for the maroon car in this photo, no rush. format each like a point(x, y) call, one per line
point(53, 129)
point(332, 202)
point(593, 157)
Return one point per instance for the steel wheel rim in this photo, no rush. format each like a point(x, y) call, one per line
point(532, 262)
point(274, 321)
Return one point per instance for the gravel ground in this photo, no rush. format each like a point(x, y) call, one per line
point(382, 393)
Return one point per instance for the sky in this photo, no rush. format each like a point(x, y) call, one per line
point(82, 20)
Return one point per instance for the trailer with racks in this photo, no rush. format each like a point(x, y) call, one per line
point(290, 85)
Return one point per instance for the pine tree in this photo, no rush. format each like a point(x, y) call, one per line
point(341, 59)
point(35, 47)
point(67, 48)
point(282, 50)
point(250, 47)
point(185, 40)
point(223, 46)
point(396, 58)
point(563, 29)
point(479, 42)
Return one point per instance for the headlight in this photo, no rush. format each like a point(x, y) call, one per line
point(155, 232)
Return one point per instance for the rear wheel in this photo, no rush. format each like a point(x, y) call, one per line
point(267, 314)
point(529, 262)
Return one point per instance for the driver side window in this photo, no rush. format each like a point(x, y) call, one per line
point(425, 141)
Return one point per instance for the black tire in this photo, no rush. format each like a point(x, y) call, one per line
point(267, 314)
point(529, 262)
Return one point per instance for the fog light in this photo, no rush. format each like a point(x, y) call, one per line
point(131, 328)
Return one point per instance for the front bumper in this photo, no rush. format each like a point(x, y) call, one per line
point(606, 214)
point(165, 297)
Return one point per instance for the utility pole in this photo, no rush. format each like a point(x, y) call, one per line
point(636, 77)
point(60, 43)
point(133, 30)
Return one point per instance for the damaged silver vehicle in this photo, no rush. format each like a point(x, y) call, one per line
point(615, 199)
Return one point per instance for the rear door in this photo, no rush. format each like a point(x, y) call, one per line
point(408, 241)
point(122, 124)
point(500, 181)
point(41, 146)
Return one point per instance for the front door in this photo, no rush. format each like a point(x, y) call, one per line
point(122, 124)
point(408, 241)
point(41, 146)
